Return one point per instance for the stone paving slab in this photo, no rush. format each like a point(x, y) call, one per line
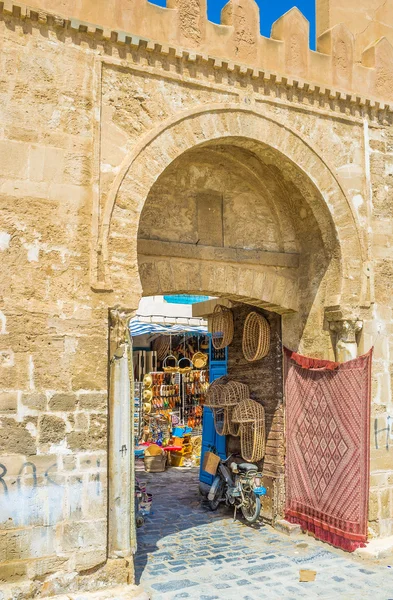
point(187, 552)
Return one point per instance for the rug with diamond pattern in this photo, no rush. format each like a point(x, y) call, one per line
point(327, 460)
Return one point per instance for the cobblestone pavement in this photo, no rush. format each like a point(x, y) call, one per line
point(187, 552)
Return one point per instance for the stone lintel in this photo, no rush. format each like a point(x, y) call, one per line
point(213, 253)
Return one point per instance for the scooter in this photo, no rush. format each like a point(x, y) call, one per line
point(240, 486)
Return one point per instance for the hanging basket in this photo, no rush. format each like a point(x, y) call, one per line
point(249, 411)
point(252, 441)
point(214, 394)
point(199, 360)
point(234, 392)
point(220, 420)
point(222, 327)
point(170, 364)
point(223, 423)
point(162, 346)
point(185, 365)
point(252, 429)
point(256, 337)
point(233, 428)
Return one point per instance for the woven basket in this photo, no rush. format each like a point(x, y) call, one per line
point(256, 337)
point(252, 430)
point(222, 327)
point(234, 392)
point(252, 441)
point(249, 411)
point(220, 420)
point(170, 368)
point(161, 345)
point(233, 428)
point(215, 391)
point(200, 360)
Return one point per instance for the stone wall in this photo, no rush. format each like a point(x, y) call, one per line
point(53, 333)
point(265, 380)
point(91, 124)
point(343, 64)
point(377, 331)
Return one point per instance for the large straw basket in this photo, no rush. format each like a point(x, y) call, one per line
point(215, 392)
point(233, 428)
point(234, 392)
point(222, 397)
point(249, 411)
point(252, 430)
point(256, 337)
point(252, 441)
point(222, 327)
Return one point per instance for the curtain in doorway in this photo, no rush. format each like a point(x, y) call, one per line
point(328, 447)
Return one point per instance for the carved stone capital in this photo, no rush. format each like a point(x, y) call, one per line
point(346, 330)
point(119, 319)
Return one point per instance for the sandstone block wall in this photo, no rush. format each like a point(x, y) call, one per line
point(93, 117)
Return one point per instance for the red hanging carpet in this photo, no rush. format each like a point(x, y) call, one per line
point(328, 447)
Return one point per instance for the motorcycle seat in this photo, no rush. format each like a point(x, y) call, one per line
point(247, 467)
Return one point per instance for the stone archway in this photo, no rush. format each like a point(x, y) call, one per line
point(155, 152)
point(271, 277)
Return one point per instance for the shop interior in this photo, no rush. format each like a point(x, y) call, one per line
point(192, 377)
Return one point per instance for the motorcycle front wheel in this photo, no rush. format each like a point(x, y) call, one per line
point(251, 507)
point(215, 493)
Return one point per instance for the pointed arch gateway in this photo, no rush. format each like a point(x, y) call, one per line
point(244, 127)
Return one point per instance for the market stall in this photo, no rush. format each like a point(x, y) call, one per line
point(169, 398)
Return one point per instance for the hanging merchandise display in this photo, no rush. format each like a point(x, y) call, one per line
point(222, 327)
point(250, 416)
point(138, 411)
point(172, 402)
point(256, 337)
point(195, 387)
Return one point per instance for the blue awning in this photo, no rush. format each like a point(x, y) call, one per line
point(137, 327)
point(182, 299)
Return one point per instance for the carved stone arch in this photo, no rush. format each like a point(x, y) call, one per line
point(157, 150)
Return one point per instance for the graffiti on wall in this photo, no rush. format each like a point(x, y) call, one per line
point(33, 494)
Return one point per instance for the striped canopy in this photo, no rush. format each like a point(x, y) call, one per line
point(139, 328)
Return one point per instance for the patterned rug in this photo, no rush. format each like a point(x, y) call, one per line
point(327, 462)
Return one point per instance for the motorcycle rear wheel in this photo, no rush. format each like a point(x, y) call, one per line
point(218, 491)
point(251, 507)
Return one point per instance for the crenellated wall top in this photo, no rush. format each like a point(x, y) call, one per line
point(183, 25)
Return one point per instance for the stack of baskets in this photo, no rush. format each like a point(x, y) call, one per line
point(223, 396)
